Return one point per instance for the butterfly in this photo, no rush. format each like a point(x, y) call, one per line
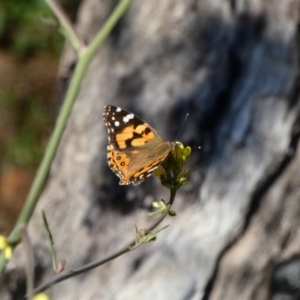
point(135, 149)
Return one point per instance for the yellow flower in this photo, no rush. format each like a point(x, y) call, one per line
point(40, 296)
point(5, 247)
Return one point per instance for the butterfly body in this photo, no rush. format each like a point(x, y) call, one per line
point(135, 149)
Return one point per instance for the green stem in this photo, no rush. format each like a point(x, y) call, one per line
point(50, 241)
point(66, 26)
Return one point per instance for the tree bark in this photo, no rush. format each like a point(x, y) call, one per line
point(233, 65)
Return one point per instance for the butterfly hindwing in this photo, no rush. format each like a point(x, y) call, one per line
point(145, 172)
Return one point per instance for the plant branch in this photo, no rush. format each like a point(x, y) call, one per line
point(84, 58)
point(67, 27)
point(126, 249)
point(29, 262)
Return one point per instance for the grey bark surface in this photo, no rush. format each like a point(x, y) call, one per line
point(233, 65)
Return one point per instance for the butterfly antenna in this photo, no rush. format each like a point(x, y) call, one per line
point(182, 126)
point(197, 147)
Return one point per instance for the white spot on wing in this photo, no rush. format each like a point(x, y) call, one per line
point(118, 109)
point(127, 118)
point(117, 123)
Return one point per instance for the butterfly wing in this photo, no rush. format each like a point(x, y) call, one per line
point(144, 172)
point(125, 130)
point(135, 149)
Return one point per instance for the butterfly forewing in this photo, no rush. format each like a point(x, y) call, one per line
point(125, 130)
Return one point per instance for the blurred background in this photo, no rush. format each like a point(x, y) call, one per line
point(30, 48)
point(234, 66)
